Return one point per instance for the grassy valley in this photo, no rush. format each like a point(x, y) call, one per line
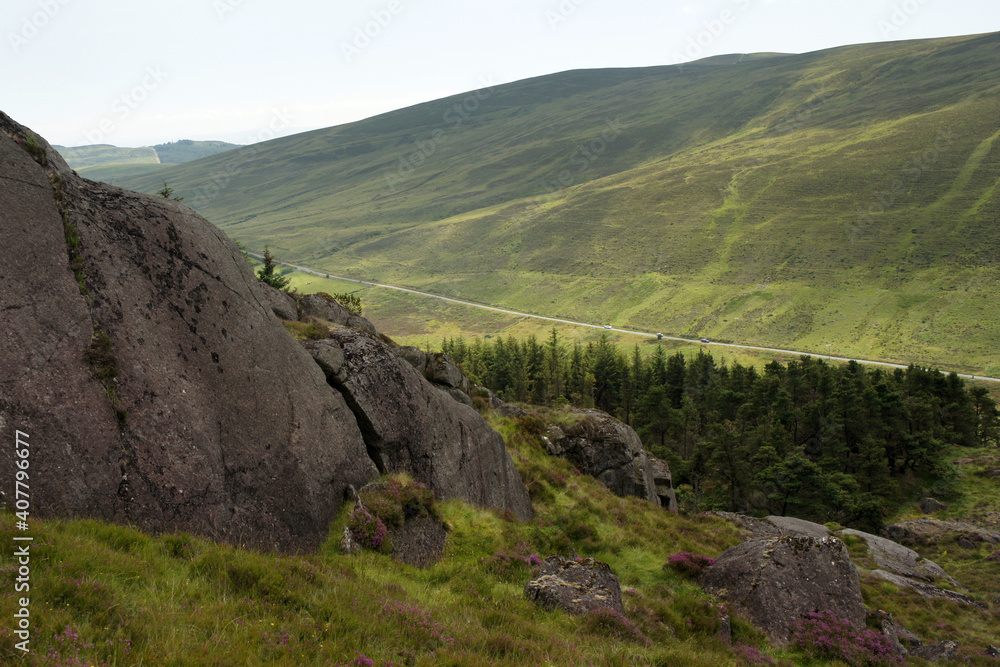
point(104, 162)
point(842, 200)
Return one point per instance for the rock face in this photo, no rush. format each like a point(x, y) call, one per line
point(440, 371)
point(901, 560)
point(325, 307)
point(410, 425)
point(928, 591)
point(144, 362)
point(576, 586)
point(775, 582)
point(609, 450)
point(931, 531)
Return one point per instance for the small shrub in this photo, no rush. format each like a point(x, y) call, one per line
point(748, 655)
point(515, 565)
point(34, 149)
point(368, 529)
point(688, 564)
point(823, 635)
point(610, 623)
point(994, 557)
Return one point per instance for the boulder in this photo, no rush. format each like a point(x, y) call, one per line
point(330, 358)
point(413, 356)
point(928, 591)
point(409, 425)
point(168, 396)
point(663, 482)
point(754, 528)
point(775, 582)
point(932, 531)
point(325, 307)
point(896, 558)
point(281, 303)
point(940, 651)
point(575, 585)
point(930, 505)
point(441, 370)
point(789, 525)
point(607, 449)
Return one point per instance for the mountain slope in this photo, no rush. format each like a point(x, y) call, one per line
point(842, 200)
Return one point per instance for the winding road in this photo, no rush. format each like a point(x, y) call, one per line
point(868, 362)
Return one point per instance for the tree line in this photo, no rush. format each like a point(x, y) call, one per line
point(808, 438)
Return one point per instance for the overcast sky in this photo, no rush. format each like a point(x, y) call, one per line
point(140, 72)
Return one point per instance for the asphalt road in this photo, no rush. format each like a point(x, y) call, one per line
point(868, 362)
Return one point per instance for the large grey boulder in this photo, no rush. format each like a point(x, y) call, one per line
point(409, 425)
point(325, 307)
point(609, 450)
point(900, 560)
point(575, 586)
point(168, 396)
point(663, 482)
point(775, 582)
point(932, 531)
point(928, 591)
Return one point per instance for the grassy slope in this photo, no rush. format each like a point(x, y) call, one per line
point(112, 164)
point(109, 595)
point(724, 200)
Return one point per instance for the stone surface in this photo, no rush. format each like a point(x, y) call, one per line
point(755, 528)
point(928, 591)
point(775, 582)
point(930, 505)
point(940, 651)
point(420, 541)
point(223, 425)
point(442, 370)
point(607, 449)
point(932, 531)
point(281, 303)
point(575, 586)
point(663, 482)
point(325, 307)
point(330, 358)
point(348, 545)
point(901, 560)
point(789, 525)
point(410, 425)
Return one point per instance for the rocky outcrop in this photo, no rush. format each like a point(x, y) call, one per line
point(931, 505)
point(575, 586)
point(609, 450)
point(775, 582)
point(440, 370)
point(932, 531)
point(325, 307)
point(663, 482)
point(409, 425)
point(144, 361)
point(928, 591)
point(900, 560)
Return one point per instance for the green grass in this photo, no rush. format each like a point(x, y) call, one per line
point(723, 182)
point(104, 594)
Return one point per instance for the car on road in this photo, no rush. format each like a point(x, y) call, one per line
point(607, 326)
point(705, 340)
point(659, 336)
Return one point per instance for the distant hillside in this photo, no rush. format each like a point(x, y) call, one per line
point(103, 162)
point(842, 201)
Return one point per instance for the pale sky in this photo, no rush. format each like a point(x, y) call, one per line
point(140, 72)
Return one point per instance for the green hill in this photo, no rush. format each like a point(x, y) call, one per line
point(103, 162)
point(844, 200)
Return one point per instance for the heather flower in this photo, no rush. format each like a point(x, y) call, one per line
point(368, 529)
point(823, 635)
point(611, 623)
point(688, 563)
point(748, 655)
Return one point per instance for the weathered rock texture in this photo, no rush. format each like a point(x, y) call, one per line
point(932, 531)
point(409, 425)
point(576, 586)
point(440, 370)
point(900, 560)
point(928, 591)
point(168, 394)
point(609, 450)
point(776, 582)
